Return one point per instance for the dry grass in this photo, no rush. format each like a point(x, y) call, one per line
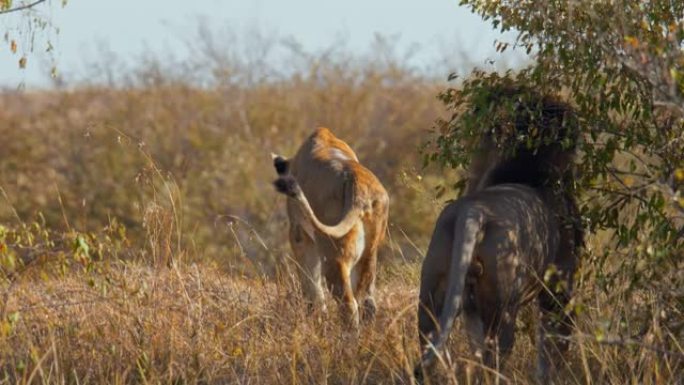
point(192, 325)
point(142, 242)
point(132, 323)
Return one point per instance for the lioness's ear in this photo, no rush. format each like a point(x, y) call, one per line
point(281, 164)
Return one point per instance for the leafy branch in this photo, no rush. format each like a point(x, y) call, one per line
point(7, 3)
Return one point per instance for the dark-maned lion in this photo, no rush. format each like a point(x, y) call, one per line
point(516, 234)
point(487, 257)
point(338, 216)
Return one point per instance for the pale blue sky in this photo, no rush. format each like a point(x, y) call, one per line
point(439, 28)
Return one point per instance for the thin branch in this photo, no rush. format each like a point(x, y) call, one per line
point(617, 341)
point(630, 173)
point(674, 107)
point(21, 7)
point(620, 193)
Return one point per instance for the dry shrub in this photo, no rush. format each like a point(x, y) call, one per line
point(195, 164)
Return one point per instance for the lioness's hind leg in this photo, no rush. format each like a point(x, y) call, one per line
point(366, 271)
point(309, 268)
point(365, 288)
point(339, 279)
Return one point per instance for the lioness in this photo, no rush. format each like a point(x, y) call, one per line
point(338, 216)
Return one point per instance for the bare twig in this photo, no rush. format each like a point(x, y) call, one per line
point(21, 7)
point(617, 341)
point(672, 106)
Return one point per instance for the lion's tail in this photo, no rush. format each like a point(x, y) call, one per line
point(287, 184)
point(467, 229)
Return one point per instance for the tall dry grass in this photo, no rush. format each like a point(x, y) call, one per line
point(141, 241)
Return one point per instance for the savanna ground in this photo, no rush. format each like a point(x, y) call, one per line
point(141, 240)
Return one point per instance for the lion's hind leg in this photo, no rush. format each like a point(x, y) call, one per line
point(556, 321)
point(491, 344)
point(474, 328)
point(430, 304)
point(554, 328)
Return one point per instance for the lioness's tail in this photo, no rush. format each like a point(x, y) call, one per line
point(287, 184)
point(467, 229)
